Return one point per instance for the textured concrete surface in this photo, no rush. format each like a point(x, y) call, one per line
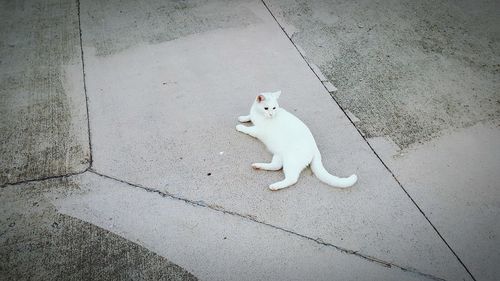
point(171, 194)
point(37, 242)
point(43, 119)
point(118, 25)
point(454, 179)
point(163, 116)
point(406, 69)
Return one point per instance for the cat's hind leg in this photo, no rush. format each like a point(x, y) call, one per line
point(292, 172)
point(275, 165)
point(245, 118)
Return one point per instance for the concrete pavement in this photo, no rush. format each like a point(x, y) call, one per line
point(181, 105)
point(420, 81)
point(454, 179)
point(165, 83)
point(40, 242)
point(207, 243)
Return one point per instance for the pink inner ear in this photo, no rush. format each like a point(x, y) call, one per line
point(260, 98)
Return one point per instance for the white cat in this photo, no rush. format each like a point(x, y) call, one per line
point(290, 141)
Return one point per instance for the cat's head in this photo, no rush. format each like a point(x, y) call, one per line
point(267, 103)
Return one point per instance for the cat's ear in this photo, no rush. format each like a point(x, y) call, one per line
point(260, 98)
point(277, 94)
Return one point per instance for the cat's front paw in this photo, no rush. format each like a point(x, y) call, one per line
point(244, 118)
point(240, 128)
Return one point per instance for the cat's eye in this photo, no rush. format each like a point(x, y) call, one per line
point(274, 107)
point(266, 108)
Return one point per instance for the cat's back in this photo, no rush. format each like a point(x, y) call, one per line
point(290, 122)
point(286, 131)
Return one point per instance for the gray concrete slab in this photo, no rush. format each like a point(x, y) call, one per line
point(407, 69)
point(210, 244)
point(455, 180)
point(39, 243)
point(163, 115)
point(42, 109)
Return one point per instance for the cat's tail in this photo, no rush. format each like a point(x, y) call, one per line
point(324, 176)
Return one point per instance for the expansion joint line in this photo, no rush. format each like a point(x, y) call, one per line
point(369, 145)
point(43, 178)
point(251, 218)
point(84, 83)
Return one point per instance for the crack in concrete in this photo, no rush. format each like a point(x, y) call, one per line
point(299, 50)
point(203, 204)
point(44, 178)
point(84, 83)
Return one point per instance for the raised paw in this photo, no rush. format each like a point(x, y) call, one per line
point(244, 118)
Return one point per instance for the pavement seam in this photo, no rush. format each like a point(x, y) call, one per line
point(200, 203)
point(44, 178)
point(84, 82)
point(299, 50)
